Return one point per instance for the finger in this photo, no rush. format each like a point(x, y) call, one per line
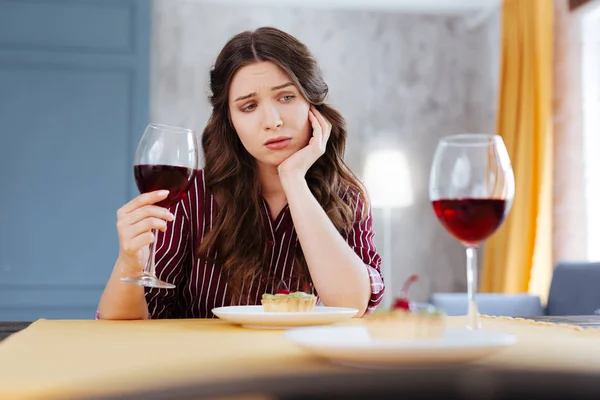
point(142, 200)
point(327, 135)
point(322, 120)
point(146, 212)
point(145, 225)
point(317, 130)
point(137, 243)
point(325, 125)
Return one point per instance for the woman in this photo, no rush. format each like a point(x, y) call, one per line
point(274, 207)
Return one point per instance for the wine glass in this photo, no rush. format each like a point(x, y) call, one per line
point(471, 188)
point(166, 158)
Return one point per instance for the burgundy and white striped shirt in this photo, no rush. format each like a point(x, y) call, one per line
point(200, 286)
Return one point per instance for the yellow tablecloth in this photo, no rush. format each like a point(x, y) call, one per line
point(61, 359)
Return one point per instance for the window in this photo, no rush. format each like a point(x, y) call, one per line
point(590, 25)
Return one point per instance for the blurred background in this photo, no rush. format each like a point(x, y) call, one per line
point(80, 79)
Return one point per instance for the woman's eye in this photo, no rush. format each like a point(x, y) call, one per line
point(288, 98)
point(249, 107)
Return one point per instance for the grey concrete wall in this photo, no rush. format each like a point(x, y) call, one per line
point(401, 80)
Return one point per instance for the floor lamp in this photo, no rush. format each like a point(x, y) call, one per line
point(387, 179)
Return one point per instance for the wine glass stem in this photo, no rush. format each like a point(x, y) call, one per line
point(473, 315)
point(149, 269)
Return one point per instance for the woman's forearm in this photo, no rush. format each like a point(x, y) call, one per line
point(122, 300)
point(338, 274)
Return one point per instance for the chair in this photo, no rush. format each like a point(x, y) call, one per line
point(575, 289)
point(497, 304)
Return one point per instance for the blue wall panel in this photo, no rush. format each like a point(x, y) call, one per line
point(74, 84)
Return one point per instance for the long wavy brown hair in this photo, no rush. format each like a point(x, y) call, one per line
point(239, 235)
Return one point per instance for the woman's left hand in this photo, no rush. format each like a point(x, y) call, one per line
point(298, 163)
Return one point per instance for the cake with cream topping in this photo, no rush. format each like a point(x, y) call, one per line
point(285, 301)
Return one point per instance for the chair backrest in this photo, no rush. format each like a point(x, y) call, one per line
point(575, 289)
point(496, 304)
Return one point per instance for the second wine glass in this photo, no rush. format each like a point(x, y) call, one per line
point(471, 188)
point(166, 159)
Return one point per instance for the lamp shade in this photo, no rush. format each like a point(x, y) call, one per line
point(387, 179)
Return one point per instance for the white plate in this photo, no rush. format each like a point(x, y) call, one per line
point(256, 317)
point(352, 345)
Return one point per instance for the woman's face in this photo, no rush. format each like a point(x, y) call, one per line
point(268, 112)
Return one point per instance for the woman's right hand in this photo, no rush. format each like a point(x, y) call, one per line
point(135, 221)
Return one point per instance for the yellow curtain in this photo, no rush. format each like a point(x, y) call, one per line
point(518, 258)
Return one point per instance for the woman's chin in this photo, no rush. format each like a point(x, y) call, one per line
point(276, 158)
point(273, 161)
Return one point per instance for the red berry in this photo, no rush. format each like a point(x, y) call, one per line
point(403, 304)
point(283, 291)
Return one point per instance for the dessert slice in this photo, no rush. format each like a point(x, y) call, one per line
point(406, 320)
point(284, 301)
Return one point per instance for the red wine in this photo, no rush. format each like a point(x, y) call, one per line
point(158, 177)
point(470, 220)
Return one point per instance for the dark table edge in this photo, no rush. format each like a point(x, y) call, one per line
point(449, 382)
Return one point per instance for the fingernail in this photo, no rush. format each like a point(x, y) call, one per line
point(171, 216)
point(163, 193)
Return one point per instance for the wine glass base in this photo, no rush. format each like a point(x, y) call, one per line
point(473, 321)
point(148, 281)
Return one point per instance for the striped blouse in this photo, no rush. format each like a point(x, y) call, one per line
point(200, 287)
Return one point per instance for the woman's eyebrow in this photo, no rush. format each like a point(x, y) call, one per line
point(282, 86)
point(247, 96)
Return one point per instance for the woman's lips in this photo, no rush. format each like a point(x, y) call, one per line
point(278, 144)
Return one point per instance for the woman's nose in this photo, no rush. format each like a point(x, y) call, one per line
point(272, 119)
